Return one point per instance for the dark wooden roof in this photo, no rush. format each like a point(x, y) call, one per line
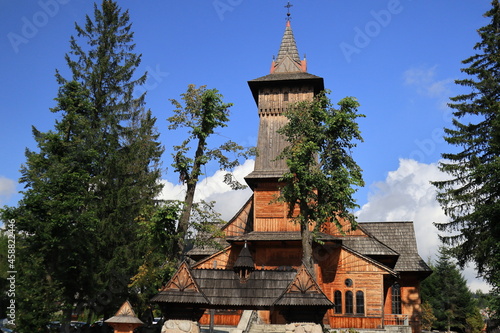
point(288, 47)
point(206, 250)
point(368, 246)
point(303, 291)
point(289, 79)
point(182, 288)
point(223, 288)
point(244, 259)
point(400, 237)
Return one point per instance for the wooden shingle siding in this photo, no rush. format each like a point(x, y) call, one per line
point(241, 222)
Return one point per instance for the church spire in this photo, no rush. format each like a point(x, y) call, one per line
point(288, 60)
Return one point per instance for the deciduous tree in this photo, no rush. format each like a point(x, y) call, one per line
point(322, 172)
point(202, 112)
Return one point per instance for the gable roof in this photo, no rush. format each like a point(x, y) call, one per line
point(263, 288)
point(182, 288)
point(400, 237)
point(303, 291)
point(368, 246)
point(125, 315)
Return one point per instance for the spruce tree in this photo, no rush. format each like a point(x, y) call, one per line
point(91, 180)
point(471, 197)
point(55, 221)
point(451, 301)
point(125, 174)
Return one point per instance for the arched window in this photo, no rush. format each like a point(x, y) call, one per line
point(360, 302)
point(337, 300)
point(396, 298)
point(349, 302)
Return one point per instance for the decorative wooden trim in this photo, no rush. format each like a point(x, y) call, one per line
point(304, 283)
point(182, 280)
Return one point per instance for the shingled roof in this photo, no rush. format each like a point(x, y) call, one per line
point(244, 259)
point(400, 237)
point(263, 288)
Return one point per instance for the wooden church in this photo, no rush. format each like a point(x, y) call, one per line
point(364, 279)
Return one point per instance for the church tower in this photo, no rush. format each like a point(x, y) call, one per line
point(288, 82)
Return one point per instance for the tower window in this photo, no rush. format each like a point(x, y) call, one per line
point(285, 97)
point(337, 300)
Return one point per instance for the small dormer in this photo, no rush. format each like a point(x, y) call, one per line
point(244, 264)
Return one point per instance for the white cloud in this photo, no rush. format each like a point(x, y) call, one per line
point(7, 189)
point(407, 195)
point(213, 188)
point(423, 79)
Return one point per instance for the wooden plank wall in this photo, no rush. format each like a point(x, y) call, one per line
point(239, 223)
point(275, 255)
point(346, 322)
point(332, 273)
point(220, 260)
point(231, 318)
point(272, 100)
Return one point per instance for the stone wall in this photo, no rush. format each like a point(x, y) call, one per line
point(303, 328)
point(180, 326)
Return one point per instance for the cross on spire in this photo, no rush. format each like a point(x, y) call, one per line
point(288, 18)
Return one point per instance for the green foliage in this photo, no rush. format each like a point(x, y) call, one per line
point(321, 168)
point(91, 180)
point(126, 171)
point(202, 113)
point(471, 197)
point(4, 283)
point(158, 238)
point(446, 292)
point(53, 215)
point(428, 317)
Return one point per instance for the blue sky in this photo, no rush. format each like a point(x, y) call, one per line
point(398, 57)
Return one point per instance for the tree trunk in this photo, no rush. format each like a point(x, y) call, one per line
point(305, 233)
point(183, 226)
point(192, 180)
point(67, 312)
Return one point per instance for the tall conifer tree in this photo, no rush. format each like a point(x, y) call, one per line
point(125, 172)
point(471, 197)
point(92, 178)
point(55, 218)
point(451, 300)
